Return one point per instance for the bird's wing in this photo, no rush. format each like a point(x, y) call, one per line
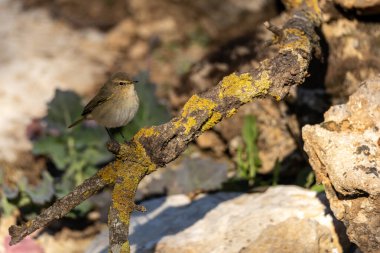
point(102, 96)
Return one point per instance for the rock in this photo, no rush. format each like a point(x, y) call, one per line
point(274, 141)
point(366, 7)
point(188, 174)
point(38, 55)
point(100, 14)
point(344, 152)
point(213, 22)
point(233, 222)
point(355, 57)
point(210, 140)
point(283, 237)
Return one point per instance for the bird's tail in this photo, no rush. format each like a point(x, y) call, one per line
point(76, 122)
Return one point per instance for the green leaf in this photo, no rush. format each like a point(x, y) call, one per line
point(248, 161)
point(43, 192)
point(249, 131)
point(318, 188)
point(63, 109)
point(81, 210)
point(6, 207)
point(54, 148)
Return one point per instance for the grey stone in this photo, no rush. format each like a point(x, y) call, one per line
point(232, 222)
point(344, 152)
point(189, 174)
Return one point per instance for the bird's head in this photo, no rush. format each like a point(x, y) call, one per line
point(120, 80)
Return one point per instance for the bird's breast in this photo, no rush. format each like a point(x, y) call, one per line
point(118, 111)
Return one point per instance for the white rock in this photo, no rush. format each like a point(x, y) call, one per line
point(345, 153)
point(38, 55)
point(231, 222)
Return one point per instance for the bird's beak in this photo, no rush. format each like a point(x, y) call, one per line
point(135, 81)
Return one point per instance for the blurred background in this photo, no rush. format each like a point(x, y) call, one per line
point(54, 56)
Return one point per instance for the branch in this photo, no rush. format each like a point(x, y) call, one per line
point(62, 206)
point(158, 145)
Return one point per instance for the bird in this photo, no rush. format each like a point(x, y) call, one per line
point(115, 104)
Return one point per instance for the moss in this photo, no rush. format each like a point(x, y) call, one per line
point(244, 87)
point(212, 121)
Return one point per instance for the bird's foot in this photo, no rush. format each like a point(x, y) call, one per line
point(113, 146)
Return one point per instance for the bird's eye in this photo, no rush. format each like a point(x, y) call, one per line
point(122, 83)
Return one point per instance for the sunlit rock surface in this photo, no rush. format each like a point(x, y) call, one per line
point(345, 154)
point(37, 55)
point(233, 222)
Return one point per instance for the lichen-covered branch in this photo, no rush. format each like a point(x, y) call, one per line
point(158, 145)
point(62, 206)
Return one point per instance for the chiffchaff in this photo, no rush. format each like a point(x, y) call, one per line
point(115, 105)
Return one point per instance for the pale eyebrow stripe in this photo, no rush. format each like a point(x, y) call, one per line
point(121, 80)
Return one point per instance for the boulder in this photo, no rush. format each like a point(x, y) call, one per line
point(344, 152)
point(283, 217)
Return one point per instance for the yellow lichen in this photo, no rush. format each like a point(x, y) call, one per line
point(237, 86)
point(194, 104)
point(146, 132)
point(244, 87)
point(125, 248)
point(291, 4)
point(231, 112)
point(313, 4)
point(215, 118)
point(190, 122)
point(197, 103)
point(263, 83)
point(302, 42)
point(107, 174)
point(277, 97)
point(131, 165)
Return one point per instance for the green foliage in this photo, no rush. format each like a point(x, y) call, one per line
point(76, 153)
point(312, 184)
point(248, 161)
point(24, 194)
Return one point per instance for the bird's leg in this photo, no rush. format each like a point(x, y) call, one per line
point(121, 133)
point(109, 133)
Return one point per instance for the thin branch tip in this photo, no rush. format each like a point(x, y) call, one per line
point(274, 29)
point(140, 208)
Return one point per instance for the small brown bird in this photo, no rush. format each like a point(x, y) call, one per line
point(115, 105)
